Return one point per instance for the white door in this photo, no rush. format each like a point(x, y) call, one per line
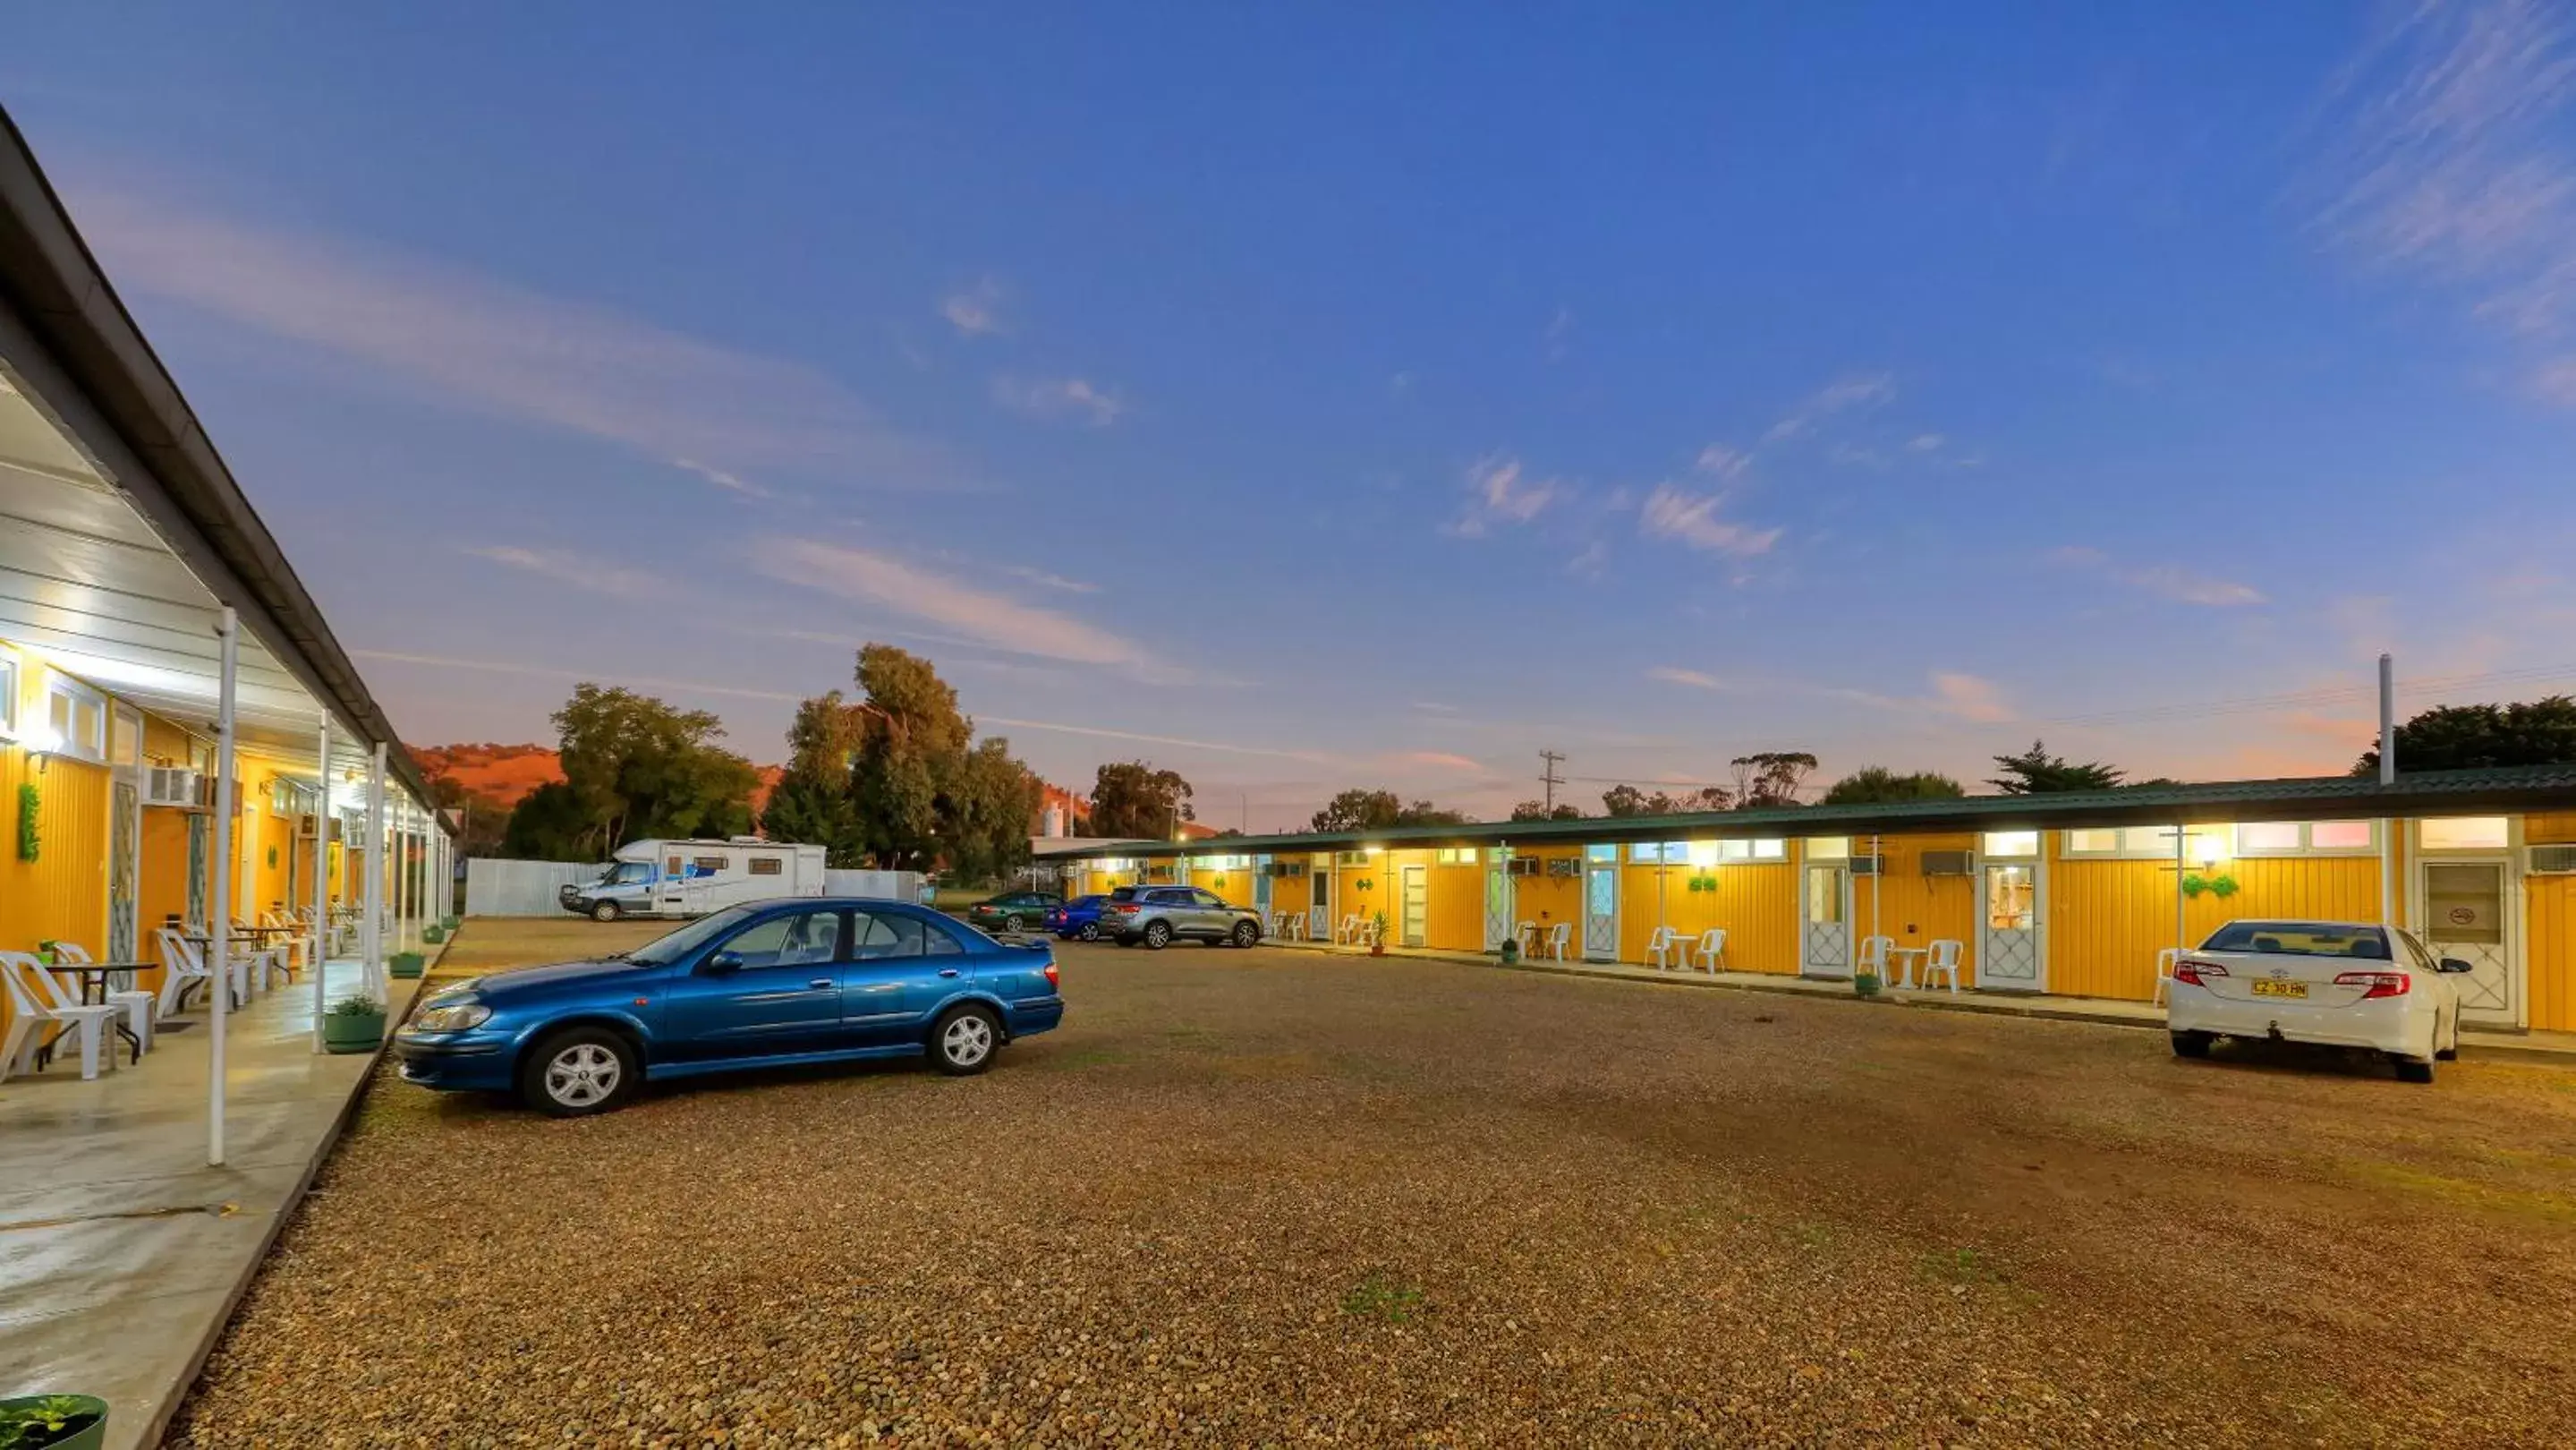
point(125, 837)
point(1261, 889)
point(1319, 914)
point(1824, 931)
point(2467, 911)
point(1417, 906)
point(246, 872)
point(2010, 954)
point(672, 895)
point(1601, 903)
point(1499, 896)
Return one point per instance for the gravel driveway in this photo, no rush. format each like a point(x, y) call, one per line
point(1272, 1196)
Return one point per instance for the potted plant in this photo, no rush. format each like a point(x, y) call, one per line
point(407, 964)
point(1865, 981)
point(1377, 938)
point(354, 1024)
point(53, 1422)
point(450, 923)
point(1509, 951)
point(433, 933)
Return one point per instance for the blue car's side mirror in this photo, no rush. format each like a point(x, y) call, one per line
point(724, 962)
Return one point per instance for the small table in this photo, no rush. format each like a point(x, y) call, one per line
point(1911, 956)
point(93, 990)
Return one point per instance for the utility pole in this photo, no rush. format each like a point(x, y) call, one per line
point(1548, 779)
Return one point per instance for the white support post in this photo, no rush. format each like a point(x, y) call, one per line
point(2182, 925)
point(2387, 780)
point(322, 882)
point(377, 982)
point(219, 912)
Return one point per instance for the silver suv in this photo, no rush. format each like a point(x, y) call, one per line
point(1160, 915)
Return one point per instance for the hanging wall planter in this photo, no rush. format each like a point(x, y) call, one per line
point(2221, 886)
point(31, 805)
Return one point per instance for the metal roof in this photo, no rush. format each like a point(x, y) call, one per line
point(122, 533)
point(2296, 798)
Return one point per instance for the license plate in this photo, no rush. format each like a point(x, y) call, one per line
point(2280, 989)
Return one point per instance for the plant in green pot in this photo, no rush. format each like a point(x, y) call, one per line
point(433, 934)
point(1865, 981)
point(354, 1024)
point(53, 1422)
point(407, 964)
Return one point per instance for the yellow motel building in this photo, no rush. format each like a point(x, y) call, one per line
point(183, 743)
point(2074, 895)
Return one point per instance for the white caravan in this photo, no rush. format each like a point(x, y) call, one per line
point(692, 878)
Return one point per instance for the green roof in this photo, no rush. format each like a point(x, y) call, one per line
point(2499, 789)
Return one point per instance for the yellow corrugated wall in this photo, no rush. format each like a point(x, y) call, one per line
point(1918, 910)
point(2108, 919)
point(1757, 903)
point(2549, 935)
point(1547, 900)
point(1457, 908)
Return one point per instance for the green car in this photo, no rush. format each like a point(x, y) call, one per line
point(1014, 911)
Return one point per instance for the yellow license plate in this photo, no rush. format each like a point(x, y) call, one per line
point(2280, 989)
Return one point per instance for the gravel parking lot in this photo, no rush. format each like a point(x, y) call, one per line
point(1273, 1196)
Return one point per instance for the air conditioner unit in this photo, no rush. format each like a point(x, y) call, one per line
point(2551, 860)
point(1523, 866)
point(1868, 865)
point(305, 826)
point(1564, 866)
point(1949, 863)
point(170, 787)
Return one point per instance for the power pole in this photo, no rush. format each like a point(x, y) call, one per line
point(1548, 779)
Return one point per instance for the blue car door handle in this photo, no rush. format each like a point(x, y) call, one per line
point(821, 982)
point(948, 971)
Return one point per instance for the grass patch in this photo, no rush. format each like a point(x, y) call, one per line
point(1812, 1233)
point(2466, 1193)
point(1387, 1299)
point(1963, 1265)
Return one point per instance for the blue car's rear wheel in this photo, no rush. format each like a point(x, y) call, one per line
point(1090, 931)
point(579, 1071)
point(964, 1040)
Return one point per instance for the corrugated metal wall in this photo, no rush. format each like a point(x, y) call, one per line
point(521, 888)
point(2108, 919)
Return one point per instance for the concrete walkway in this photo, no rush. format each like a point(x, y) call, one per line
point(2558, 1048)
point(121, 1253)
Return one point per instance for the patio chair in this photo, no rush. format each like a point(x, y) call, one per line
point(1873, 955)
point(1350, 931)
point(133, 1001)
point(1945, 955)
point(1527, 934)
point(1560, 938)
point(296, 949)
point(32, 1008)
point(1711, 949)
point(183, 971)
point(1664, 948)
point(2164, 973)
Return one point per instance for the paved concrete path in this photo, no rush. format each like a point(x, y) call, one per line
point(121, 1252)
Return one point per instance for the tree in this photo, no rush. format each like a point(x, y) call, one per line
point(1132, 800)
point(1877, 785)
point(2036, 772)
point(813, 803)
point(1374, 810)
point(1539, 811)
point(549, 824)
point(1769, 778)
point(2468, 737)
point(635, 769)
point(1626, 800)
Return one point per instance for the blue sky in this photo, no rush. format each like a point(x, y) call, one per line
point(1311, 396)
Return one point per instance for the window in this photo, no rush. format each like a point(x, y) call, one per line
point(2145, 842)
point(2096, 842)
point(8, 693)
point(626, 873)
point(1601, 853)
point(1350, 858)
point(707, 866)
point(939, 941)
point(797, 939)
point(2342, 835)
point(77, 717)
point(888, 934)
point(2268, 836)
point(2298, 939)
point(2462, 833)
point(1659, 852)
point(2009, 844)
point(1770, 848)
point(767, 866)
point(2011, 897)
point(1454, 856)
point(2279, 838)
point(1829, 848)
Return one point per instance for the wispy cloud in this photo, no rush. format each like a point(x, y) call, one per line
point(1497, 495)
point(2176, 582)
point(1560, 330)
point(1692, 519)
point(579, 571)
point(1590, 560)
point(1969, 698)
point(1925, 443)
point(561, 672)
point(905, 587)
point(1721, 462)
point(1841, 395)
point(1075, 398)
point(1436, 760)
point(1045, 580)
point(732, 483)
point(506, 350)
point(2450, 157)
point(1103, 732)
point(975, 311)
point(1676, 675)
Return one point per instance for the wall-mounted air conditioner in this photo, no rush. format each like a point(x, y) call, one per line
point(170, 787)
point(1524, 866)
point(1949, 863)
point(1564, 866)
point(305, 825)
point(1868, 865)
point(2550, 860)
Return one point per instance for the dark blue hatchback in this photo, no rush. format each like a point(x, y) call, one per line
point(762, 984)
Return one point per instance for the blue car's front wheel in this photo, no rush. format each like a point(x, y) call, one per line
point(579, 1071)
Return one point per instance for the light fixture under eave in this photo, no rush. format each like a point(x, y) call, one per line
point(42, 744)
point(2208, 850)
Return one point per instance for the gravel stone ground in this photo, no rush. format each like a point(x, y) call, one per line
point(1275, 1197)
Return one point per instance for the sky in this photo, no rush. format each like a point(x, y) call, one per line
point(1316, 396)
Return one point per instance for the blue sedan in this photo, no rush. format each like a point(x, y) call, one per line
point(1079, 917)
point(757, 985)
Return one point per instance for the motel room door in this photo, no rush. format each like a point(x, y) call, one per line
point(1319, 911)
point(125, 837)
point(1499, 926)
point(2012, 955)
point(1416, 906)
point(1824, 929)
point(1601, 903)
point(2466, 907)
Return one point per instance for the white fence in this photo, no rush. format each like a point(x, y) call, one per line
point(521, 888)
point(888, 885)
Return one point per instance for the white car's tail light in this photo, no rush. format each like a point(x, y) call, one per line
point(2192, 972)
point(2381, 984)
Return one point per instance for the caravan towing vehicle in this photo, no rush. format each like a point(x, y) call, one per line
point(693, 878)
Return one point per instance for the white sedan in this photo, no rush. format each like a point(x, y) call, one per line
point(2339, 983)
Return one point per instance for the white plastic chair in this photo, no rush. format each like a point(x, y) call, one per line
point(295, 950)
point(2164, 973)
point(1527, 934)
point(181, 968)
point(1664, 948)
point(1348, 932)
point(31, 1007)
point(134, 1002)
point(1873, 956)
point(1560, 939)
point(1945, 955)
point(1711, 949)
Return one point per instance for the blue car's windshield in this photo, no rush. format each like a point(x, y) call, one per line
point(690, 939)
